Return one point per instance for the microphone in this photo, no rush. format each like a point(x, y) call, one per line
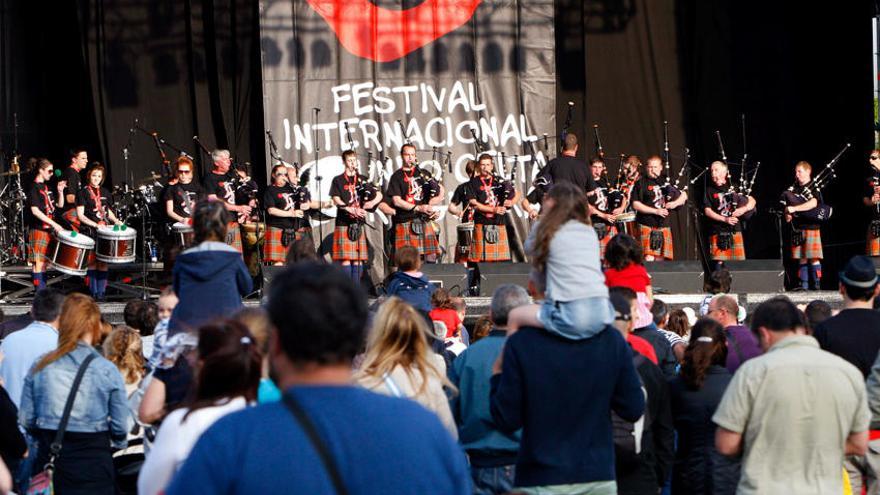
point(545, 141)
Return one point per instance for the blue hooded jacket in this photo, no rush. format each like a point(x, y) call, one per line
point(209, 279)
point(416, 291)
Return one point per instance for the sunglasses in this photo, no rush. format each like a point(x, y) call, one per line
point(184, 171)
point(874, 157)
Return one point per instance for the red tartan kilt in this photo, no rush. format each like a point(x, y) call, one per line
point(345, 249)
point(736, 252)
point(645, 236)
point(610, 231)
point(482, 251)
point(71, 216)
point(811, 249)
point(427, 244)
point(38, 245)
point(233, 236)
point(273, 250)
point(873, 245)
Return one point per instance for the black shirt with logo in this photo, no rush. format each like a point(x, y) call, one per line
point(95, 202)
point(486, 191)
point(873, 181)
point(649, 192)
point(43, 198)
point(74, 184)
point(220, 186)
point(800, 222)
point(409, 187)
point(717, 199)
point(184, 197)
point(286, 198)
point(345, 188)
point(600, 199)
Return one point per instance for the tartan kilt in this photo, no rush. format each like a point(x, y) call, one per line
point(482, 251)
point(233, 236)
point(38, 245)
point(427, 244)
point(72, 218)
point(645, 236)
point(736, 252)
point(610, 231)
point(345, 249)
point(811, 248)
point(873, 244)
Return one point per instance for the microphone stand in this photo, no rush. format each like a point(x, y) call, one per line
point(315, 112)
point(125, 154)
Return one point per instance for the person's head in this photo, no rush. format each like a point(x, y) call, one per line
point(505, 298)
point(229, 365)
point(719, 173)
point(654, 166)
point(537, 284)
point(707, 347)
point(564, 202)
point(319, 316)
point(408, 155)
point(441, 299)
point(718, 281)
point(460, 306)
point(149, 318)
point(723, 309)
point(279, 175)
point(482, 327)
point(184, 170)
point(470, 168)
point(210, 219)
point(95, 176)
point(660, 313)
point(622, 250)
point(302, 250)
point(678, 322)
point(79, 158)
point(131, 313)
point(407, 259)
point(816, 312)
point(774, 320)
point(399, 337)
point(167, 302)
point(858, 280)
point(570, 143)
point(874, 159)
point(802, 172)
point(46, 306)
point(632, 164)
point(256, 320)
point(624, 302)
point(486, 165)
point(221, 160)
point(597, 168)
point(44, 170)
point(80, 321)
point(124, 348)
point(350, 161)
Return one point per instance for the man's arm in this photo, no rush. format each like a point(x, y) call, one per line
point(728, 442)
point(505, 401)
point(628, 400)
point(856, 443)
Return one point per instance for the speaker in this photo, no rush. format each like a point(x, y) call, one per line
point(751, 276)
point(494, 274)
point(269, 272)
point(450, 276)
point(676, 277)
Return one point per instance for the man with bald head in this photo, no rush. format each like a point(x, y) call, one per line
point(742, 344)
point(725, 216)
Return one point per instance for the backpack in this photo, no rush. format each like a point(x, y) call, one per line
point(628, 435)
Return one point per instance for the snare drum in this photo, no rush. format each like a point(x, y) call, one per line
point(68, 252)
point(116, 244)
point(465, 236)
point(626, 222)
point(183, 234)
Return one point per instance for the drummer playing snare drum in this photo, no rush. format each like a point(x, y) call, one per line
point(42, 206)
point(94, 205)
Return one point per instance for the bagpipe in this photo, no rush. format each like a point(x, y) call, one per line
point(737, 195)
point(797, 194)
point(672, 191)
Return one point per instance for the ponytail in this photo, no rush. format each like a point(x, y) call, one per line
point(708, 346)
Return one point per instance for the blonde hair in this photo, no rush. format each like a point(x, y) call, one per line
point(399, 338)
point(124, 348)
point(80, 317)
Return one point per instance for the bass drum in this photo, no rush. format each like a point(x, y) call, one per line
point(626, 223)
point(116, 244)
point(68, 252)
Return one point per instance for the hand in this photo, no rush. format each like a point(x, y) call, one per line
point(875, 198)
point(788, 217)
point(500, 210)
point(789, 210)
point(662, 212)
point(296, 213)
point(533, 213)
point(101, 224)
point(605, 216)
point(732, 220)
point(62, 184)
point(244, 209)
point(58, 229)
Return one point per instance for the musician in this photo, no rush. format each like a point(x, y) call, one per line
point(220, 186)
point(568, 168)
point(720, 207)
point(602, 205)
point(459, 206)
point(806, 238)
point(183, 193)
point(491, 199)
point(354, 196)
point(872, 199)
point(286, 221)
point(42, 206)
point(79, 158)
point(540, 186)
point(94, 205)
point(649, 200)
point(413, 196)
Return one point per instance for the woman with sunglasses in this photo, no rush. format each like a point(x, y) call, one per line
point(41, 206)
point(872, 200)
point(182, 196)
point(286, 218)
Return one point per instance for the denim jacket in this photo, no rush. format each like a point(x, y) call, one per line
point(100, 403)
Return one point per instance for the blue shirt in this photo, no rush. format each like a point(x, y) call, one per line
point(380, 445)
point(20, 351)
point(470, 372)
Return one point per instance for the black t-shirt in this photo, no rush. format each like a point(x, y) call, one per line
point(74, 184)
point(570, 169)
point(409, 188)
point(345, 188)
point(220, 186)
point(462, 194)
point(44, 199)
point(485, 191)
point(184, 197)
point(96, 203)
point(800, 222)
point(854, 335)
point(720, 202)
point(873, 180)
point(600, 199)
point(287, 198)
point(649, 192)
